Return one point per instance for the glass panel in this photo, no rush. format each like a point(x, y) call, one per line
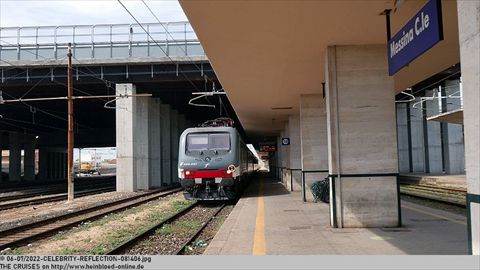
point(195, 49)
point(28, 54)
point(140, 51)
point(8, 54)
point(219, 141)
point(101, 52)
point(83, 52)
point(120, 51)
point(197, 142)
point(45, 53)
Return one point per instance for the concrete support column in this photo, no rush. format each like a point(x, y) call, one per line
point(42, 164)
point(433, 134)
point(29, 158)
point(455, 158)
point(174, 142)
point(154, 143)
point(15, 158)
point(295, 152)
point(402, 136)
point(166, 144)
point(417, 136)
point(313, 132)
point(469, 35)
point(132, 140)
point(285, 158)
point(362, 139)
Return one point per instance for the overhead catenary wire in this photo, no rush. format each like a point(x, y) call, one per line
point(156, 43)
point(168, 32)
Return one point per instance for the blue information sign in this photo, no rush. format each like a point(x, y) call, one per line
point(421, 33)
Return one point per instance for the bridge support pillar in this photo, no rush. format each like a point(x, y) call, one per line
point(29, 158)
point(165, 113)
point(362, 146)
point(469, 35)
point(174, 145)
point(154, 143)
point(132, 140)
point(313, 131)
point(15, 158)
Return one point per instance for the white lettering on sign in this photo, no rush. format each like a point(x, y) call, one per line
point(421, 23)
point(425, 21)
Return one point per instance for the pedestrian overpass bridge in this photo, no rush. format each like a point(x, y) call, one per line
point(100, 44)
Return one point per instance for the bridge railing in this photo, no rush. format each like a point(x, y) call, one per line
point(99, 41)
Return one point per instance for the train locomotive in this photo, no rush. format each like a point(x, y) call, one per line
point(213, 162)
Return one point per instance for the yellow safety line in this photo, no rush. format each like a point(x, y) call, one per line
point(259, 245)
point(435, 215)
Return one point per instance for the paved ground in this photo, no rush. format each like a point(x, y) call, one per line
point(279, 223)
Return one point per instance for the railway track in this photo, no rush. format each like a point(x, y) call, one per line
point(132, 244)
point(435, 193)
point(28, 193)
point(20, 235)
point(39, 199)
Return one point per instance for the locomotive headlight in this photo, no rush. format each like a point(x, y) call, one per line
point(231, 169)
point(187, 172)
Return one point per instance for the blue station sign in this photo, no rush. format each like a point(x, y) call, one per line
point(420, 34)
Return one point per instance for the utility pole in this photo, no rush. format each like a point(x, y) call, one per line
point(70, 176)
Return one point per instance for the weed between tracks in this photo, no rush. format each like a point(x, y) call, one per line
point(99, 236)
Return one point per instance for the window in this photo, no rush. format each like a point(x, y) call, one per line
point(203, 142)
point(219, 141)
point(197, 142)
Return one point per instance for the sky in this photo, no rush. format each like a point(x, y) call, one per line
point(86, 12)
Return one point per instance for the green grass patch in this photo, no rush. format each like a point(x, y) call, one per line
point(69, 251)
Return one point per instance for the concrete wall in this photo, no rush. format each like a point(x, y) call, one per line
point(469, 35)
point(313, 133)
point(361, 136)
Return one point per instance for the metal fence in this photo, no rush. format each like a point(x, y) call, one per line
point(99, 41)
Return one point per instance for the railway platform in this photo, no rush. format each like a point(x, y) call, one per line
point(269, 220)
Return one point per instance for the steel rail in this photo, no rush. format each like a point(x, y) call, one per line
point(16, 236)
point(135, 239)
point(200, 230)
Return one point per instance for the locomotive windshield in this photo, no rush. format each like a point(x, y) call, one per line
point(204, 141)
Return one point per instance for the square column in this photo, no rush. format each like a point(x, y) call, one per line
point(132, 140)
point(154, 143)
point(29, 158)
point(469, 35)
point(313, 132)
point(295, 165)
point(174, 142)
point(362, 139)
point(15, 158)
point(433, 135)
point(166, 144)
point(417, 136)
point(403, 135)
